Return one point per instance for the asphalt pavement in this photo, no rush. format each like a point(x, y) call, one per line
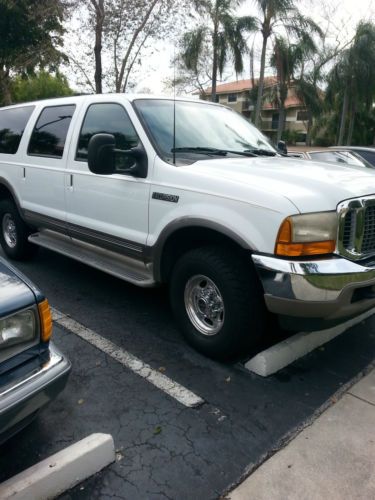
point(165, 449)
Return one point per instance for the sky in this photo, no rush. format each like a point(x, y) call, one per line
point(339, 17)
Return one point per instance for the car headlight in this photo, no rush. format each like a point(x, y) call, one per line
point(307, 234)
point(17, 329)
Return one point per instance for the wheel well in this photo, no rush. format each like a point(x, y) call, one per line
point(5, 193)
point(188, 238)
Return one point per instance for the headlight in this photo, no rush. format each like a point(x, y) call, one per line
point(17, 329)
point(307, 234)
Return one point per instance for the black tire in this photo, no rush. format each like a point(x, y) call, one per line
point(243, 317)
point(19, 248)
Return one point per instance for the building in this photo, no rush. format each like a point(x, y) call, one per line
point(237, 96)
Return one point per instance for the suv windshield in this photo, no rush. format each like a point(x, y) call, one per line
point(201, 129)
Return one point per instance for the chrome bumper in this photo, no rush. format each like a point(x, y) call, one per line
point(24, 397)
point(320, 292)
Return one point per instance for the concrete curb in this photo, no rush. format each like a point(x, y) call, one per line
point(282, 354)
point(62, 471)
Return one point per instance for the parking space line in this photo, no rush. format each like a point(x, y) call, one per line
point(136, 365)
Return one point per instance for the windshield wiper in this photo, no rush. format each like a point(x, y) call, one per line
point(261, 152)
point(211, 151)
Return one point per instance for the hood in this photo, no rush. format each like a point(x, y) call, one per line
point(15, 294)
point(310, 186)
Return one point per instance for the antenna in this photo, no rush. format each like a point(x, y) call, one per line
point(174, 103)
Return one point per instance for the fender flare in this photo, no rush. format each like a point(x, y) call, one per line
point(155, 253)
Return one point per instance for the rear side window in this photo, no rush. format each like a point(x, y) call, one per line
point(12, 124)
point(49, 134)
point(110, 119)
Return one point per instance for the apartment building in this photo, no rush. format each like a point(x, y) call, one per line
point(237, 96)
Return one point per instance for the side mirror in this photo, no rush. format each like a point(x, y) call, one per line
point(102, 155)
point(281, 146)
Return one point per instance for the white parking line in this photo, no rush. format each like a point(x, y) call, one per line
point(136, 365)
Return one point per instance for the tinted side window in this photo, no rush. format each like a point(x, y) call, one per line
point(12, 124)
point(49, 135)
point(109, 119)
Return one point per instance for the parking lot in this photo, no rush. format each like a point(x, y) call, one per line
point(164, 448)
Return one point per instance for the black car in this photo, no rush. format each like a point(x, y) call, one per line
point(32, 370)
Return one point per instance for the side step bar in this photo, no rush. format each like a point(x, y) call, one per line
point(121, 266)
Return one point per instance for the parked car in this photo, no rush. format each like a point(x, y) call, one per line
point(341, 156)
point(189, 193)
point(367, 154)
point(32, 370)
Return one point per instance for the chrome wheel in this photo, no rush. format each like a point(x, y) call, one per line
point(9, 230)
point(204, 305)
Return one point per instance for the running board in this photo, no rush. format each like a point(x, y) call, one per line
point(121, 266)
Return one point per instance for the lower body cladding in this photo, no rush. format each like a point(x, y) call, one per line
point(315, 294)
point(25, 396)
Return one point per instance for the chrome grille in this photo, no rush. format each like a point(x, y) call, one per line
point(349, 230)
point(356, 237)
point(368, 242)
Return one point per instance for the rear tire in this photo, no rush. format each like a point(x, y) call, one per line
point(217, 301)
point(14, 233)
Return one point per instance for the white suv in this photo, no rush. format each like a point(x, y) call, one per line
point(156, 190)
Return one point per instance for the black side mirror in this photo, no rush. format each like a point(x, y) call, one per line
point(101, 154)
point(281, 146)
point(102, 157)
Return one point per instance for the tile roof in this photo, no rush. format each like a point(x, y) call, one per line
point(241, 85)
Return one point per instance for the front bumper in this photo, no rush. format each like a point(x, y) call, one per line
point(316, 293)
point(26, 396)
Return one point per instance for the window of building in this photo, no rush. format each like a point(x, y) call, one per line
point(112, 119)
point(12, 124)
point(232, 97)
point(49, 134)
point(302, 116)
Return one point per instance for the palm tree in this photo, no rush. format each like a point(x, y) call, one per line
point(287, 58)
point(276, 14)
point(223, 36)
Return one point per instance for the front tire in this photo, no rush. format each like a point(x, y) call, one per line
point(216, 299)
point(14, 233)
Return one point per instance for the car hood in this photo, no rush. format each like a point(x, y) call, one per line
point(310, 186)
point(15, 294)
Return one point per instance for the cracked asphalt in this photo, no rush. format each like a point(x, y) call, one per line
point(165, 450)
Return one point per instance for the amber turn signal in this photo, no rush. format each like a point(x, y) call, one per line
point(286, 247)
point(45, 320)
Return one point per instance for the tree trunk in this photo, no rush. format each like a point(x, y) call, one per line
point(344, 113)
point(5, 94)
point(261, 82)
point(214, 76)
point(309, 127)
point(281, 125)
point(351, 124)
point(139, 29)
point(215, 57)
point(99, 19)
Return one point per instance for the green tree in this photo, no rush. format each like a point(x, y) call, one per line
point(275, 14)
point(31, 34)
point(351, 88)
point(222, 34)
point(39, 86)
